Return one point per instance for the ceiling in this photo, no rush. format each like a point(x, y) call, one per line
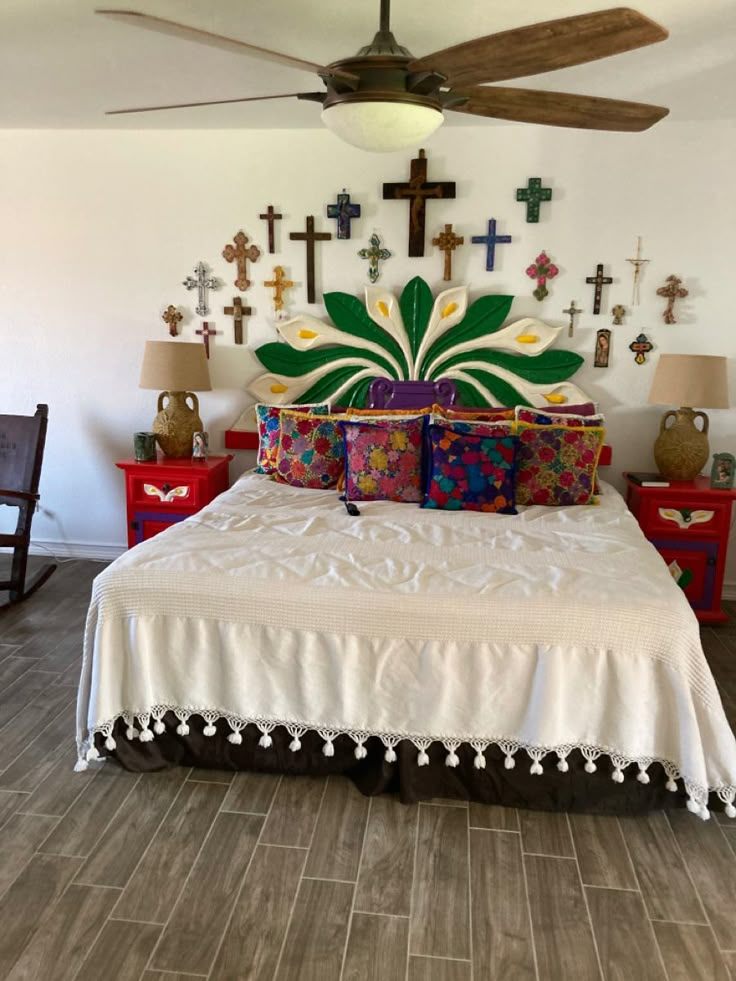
point(62, 67)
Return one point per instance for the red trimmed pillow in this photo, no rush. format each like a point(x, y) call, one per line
point(383, 460)
point(556, 465)
point(310, 450)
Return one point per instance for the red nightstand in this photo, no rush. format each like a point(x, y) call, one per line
point(166, 490)
point(688, 523)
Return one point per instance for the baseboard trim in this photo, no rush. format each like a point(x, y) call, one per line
point(67, 550)
point(729, 591)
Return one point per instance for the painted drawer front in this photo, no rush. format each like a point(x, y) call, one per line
point(699, 519)
point(698, 560)
point(166, 493)
point(147, 524)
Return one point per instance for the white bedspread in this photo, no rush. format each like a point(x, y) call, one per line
point(555, 629)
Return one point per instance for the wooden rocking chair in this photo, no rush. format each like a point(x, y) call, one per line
point(22, 440)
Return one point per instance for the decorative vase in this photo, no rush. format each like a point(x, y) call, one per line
point(176, 424)
point(681, 450)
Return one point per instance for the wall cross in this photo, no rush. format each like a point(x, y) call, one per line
point(202, 283)
point(598, 281)
point(417, 190)
point(343, 212)
point(241, 255)
point(673, 290)
point(173, 318)
point(491, 240)
point(447, 242)
point(237, 311)
point(278, 284)
point(572, 311)
point(310, 237)
point(206, 332)
point(374, 254)
point(270, 216)
point(533, 194)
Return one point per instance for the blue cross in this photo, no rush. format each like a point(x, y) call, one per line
point(343, 211)
point(490, 241)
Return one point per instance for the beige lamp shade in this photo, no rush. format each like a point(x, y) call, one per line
point(179, 369)
point(686, 380)
point(175, 366)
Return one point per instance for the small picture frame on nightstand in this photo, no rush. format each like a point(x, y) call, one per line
point(723, 471)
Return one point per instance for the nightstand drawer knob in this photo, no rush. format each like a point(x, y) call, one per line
point(166, 493)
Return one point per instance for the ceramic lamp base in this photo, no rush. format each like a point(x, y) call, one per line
point(681, 450)
point(176, 423)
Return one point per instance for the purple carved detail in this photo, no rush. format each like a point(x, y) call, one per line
point(385, 393)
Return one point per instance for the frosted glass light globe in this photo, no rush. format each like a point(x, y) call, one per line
point(382, 126)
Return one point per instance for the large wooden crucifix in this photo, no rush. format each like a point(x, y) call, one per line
point(241, 254)
point(202, 283)
point(310, 237)
point(491, 240)
point(237, 311)
point(673, 290)
point(447, 242)
point(598, 281)
point(417, 190)
point(278, 284)
point(270, 216)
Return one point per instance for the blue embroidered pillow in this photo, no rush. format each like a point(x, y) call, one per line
point(471, 471)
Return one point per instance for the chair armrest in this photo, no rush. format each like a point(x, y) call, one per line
point(23, 495)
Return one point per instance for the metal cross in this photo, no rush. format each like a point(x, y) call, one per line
point(490, 241)
point(270, 216)
point(310, 237)
point(173, 318)
point(206, 332)
point(637, 263)
point(641, 348)
point(572, 312)
point(202, 283)
point(599, 281)
point(673, 291)
point(241, 255)
point(237, 311)
point(374, 254)
point(417, 190)
point(278, 284)
point(533, 194)
point(343, 212)
point(447, 242)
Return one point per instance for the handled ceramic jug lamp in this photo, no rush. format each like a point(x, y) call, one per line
point(681, 450)
point(181, 369)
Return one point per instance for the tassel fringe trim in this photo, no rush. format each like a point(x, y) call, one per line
point(697, 796)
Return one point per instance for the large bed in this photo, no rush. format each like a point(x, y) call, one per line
point(545, 658)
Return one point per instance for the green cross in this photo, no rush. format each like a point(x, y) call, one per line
point(373, 254)
point(533, 194)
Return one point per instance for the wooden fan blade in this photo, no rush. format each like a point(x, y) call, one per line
point(543, 47)
point(558, 109)
point(217, 102)
point(175, 29)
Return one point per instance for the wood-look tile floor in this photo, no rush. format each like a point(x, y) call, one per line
point(113, 876)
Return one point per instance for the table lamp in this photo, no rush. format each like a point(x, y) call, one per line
point(681, 450)
point(179, 369)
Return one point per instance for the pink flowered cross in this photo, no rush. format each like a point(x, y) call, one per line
point(542, 270)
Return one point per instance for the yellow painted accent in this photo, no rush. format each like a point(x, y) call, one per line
point(382, 308)
point(556, 399)
point(278, 389)
point(308, 334)
point(450, 308)
point(527, 339)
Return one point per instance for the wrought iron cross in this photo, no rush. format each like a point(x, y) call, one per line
point(278, 284)
point(206, 332)
point(237, 311)
point(270, 216)
point(374, 254)
point(447, 242)
point(599, 281)
point(241, 254)
point(641, 347)
point(202, 283)
point(673, 291)
point(572, 311)
point(533, 194)
point(637, 263)
point(310, 237)
point(343, 212)
point(417, 190)
point(173, 318)
point(491, 240)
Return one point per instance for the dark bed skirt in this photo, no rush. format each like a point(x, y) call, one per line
point(576, 790)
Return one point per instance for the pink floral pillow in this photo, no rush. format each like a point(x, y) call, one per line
point(310, 450)
point(268, 418)
point(556, 465)
point(383, 461)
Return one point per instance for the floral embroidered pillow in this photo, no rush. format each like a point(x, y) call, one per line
point(469, 471)
point(268, 418)
point(383, 461)
point(311, 450)
point(556, 465)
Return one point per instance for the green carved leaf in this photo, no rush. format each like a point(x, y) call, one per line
point(545, 368)
point(284, 360)
point(357, 394)
point(416, 306)
point(468, 395)
point(324, 389)
point(350, 316)
point(483, 317)
point(501, 390)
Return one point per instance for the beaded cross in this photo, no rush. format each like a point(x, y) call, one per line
point(542, 270)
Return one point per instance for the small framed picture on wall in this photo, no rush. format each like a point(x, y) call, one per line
point(723, 471)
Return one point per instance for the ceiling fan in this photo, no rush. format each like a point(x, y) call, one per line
point(383, 98)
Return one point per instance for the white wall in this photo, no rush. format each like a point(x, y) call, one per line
point(99, 229)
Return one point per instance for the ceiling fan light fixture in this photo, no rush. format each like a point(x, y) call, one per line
point(382, 127)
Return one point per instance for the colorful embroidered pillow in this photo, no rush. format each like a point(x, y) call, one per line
point(470, 471)
point(268, 418)
point(381, 413)
point(311, 450)
point(556, 465)
point(383, 460)
point(538, 417)
point(491, 414)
